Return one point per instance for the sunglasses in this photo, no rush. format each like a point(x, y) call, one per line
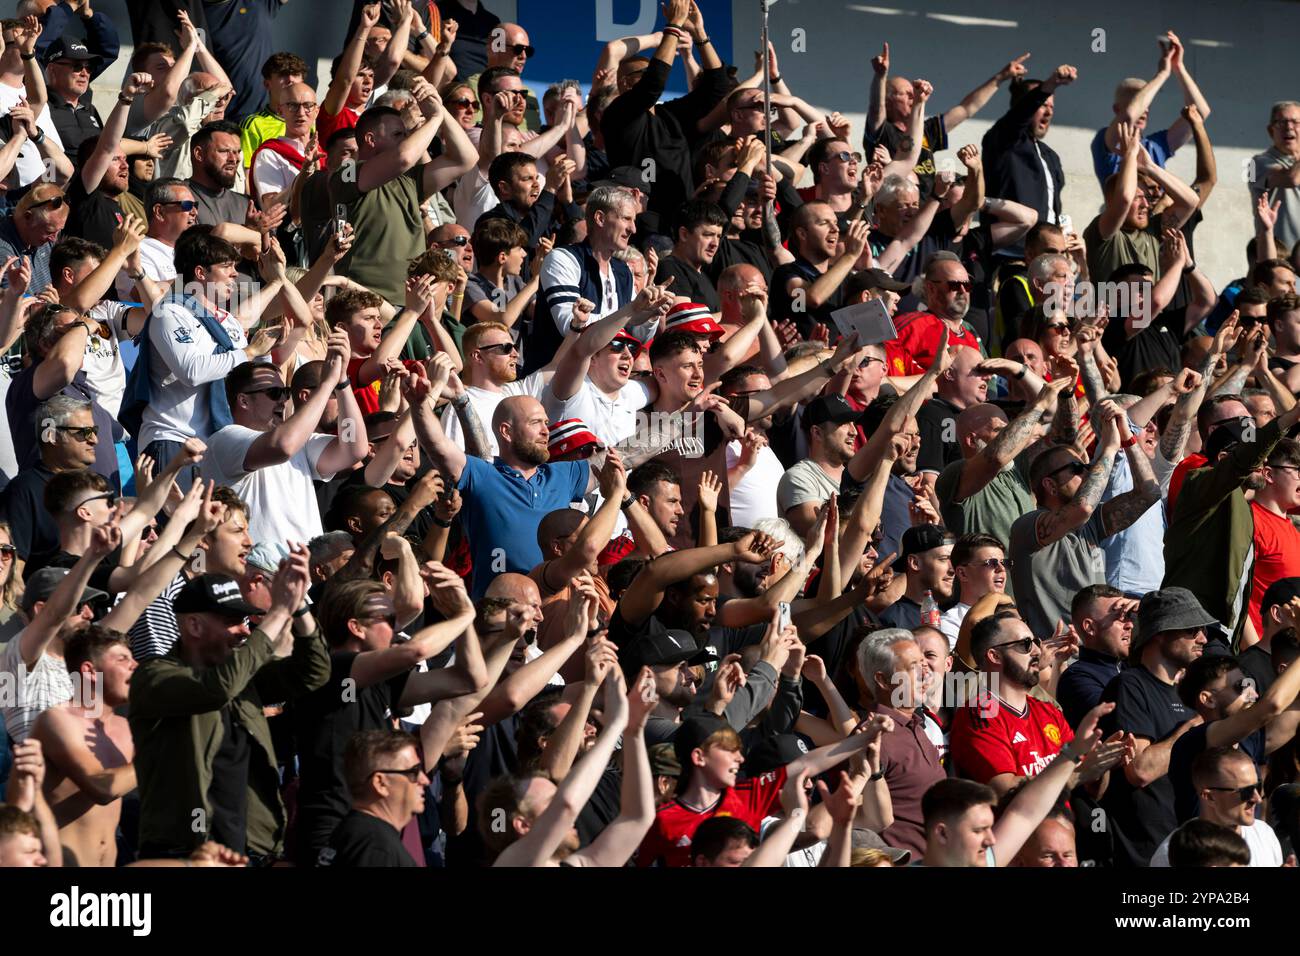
point(54, 202)
point(80, 434)
point(1243, 793)
point(453, 241)
point(277, 393)
point(411, 773)
point(1059, 328)
point(464, 103)
point(954, 285)
point(522, 49)
point(1022, 646)
point(187, 205)
point(868, 360)
point(624, 346)
point(993, 564)
point(7, 552)
point(1074, 467)
point(149, 531)
point(501, 348)
point(76, 66)
point(109, 497)
point(845, 157)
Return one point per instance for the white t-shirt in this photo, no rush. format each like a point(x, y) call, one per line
point(473, 196)
point(753, 498)
point(610, 420)
point(281, 499)
point(1259, 836)
point(105, 373)
point(46, 685)
point(30, 166)
point(184, 363)
point(272, 173)
point(950, 622)
point(485, 404)
point(157, 261)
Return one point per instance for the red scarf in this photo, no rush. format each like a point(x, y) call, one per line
point(281, 147)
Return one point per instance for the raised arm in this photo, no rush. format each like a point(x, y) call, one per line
point(1185, 126)
point(92, 173)
point(1012, 440)
point(35, 638)
point(1121, 196)
point(1054, 525)
point(975, 100)
point(162, 97)
point(876, 98)
point(446, 455)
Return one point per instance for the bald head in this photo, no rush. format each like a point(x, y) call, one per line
point(977, 418)
point(557, 526)
point(740, 276)
point(514, 587)
point(297, 107)
point(521, 428)
point(515, 409)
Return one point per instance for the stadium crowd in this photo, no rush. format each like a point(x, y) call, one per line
point(433, 474)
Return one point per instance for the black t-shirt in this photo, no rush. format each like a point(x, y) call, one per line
point(904, 613)
point(603, 807)
point(23, 505)
point(933, 137)
point(833, 647)
point(936, 420)
point(228, 791)
point(473, 30)
point(363, 840)
point(688, 281)
point(1159, 345)
point(1186, 749)
point(732, 252)
point(782, 303)
point(940, 237)
point(323, 721)
point(1141, 817)
point(496, 755)
point(66, 559)
point(732, 640)
point(1257, 664)
point(93, 216)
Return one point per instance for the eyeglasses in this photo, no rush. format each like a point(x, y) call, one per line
point(1075, 467)
point(1285, 122)
point(148, 531)
point(953, 285)
point(54, 202)
point(869, 359)
point(80, 434)
point(187, 205)
point(412, 774)
point(522, 49)
point(1243, 793)
point(304, 107)
point(622, 345)
point(1022, 646)
point(76, 66)
point(846, 157)
point(501, 348)
point(993, 564)
point(1295, 468)
point(276, 393)
point(464, 103)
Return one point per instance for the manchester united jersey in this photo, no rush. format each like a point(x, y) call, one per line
point(669, 841)
point(918, 339)
point(989, 738)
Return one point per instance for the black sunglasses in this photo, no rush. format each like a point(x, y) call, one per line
point(453, 241)
point(622, 345)
point(463, 103)
point(522, 48)
point(80, 434)
point(276, 393)
point(501, 348)
point(411, 773)
point(1022, 646)
point(54, 202)
point(1075, 467)
point(993, 564)
point(7, 551)
point(869, 359)
point(187, 205)
point(1243, 793)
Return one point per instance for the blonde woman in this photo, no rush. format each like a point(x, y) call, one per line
point(11, 578)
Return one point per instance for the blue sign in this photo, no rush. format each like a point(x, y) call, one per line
point(569, 37)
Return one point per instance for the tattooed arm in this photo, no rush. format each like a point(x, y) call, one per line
point(1191, 387)
point(1011, 441)
point(477, 442)
point(1055, 525)
point(1122, 510)
point(1093, 384)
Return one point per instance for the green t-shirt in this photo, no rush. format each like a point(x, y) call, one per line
point(992, 509)
point(1127, 245)
point(388, 227)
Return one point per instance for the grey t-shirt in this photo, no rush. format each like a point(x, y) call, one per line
point(1287, 230)
point(806, 481)
point(1046, 579)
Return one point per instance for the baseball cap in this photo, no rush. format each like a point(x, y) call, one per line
point(664, 762)
point(629, 177)
point(880, 279)
point(266, 557)
point(571, 440)
point(41, 585)
point(692, 732)
point(775, 751)
point(68, 48)
point(658, 646)
point(213, 594)
point(617, 549)
point(919, 539)
point(692, 317)
point(1228, 433)
point(829, 408)
point(871, 840)
point(1169, 609)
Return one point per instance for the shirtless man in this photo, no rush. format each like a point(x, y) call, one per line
point(88, 747)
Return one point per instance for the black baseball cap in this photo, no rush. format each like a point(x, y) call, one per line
point(878, 279)
point(629, 177)
point(829, 408)
point(774, 752)
point(68, 48)
point(1228, 433)
point(692, 732)
point(659, 646)
point(41, 585)
point(213, 594)
point(919, 539)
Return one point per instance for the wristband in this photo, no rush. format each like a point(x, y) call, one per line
point(878, 775)
point(136, 276)
point(703, 41)
point(1129, 442)
point(627, 503)
point(440, 523)
point(26, 56)
point(124, 99)
point(420, 37)
point(461, 400)
point(1070, 754)
point(302, 611)
point(1021, 374)
point(342, 385)
point(775, 79)
point(182, 555)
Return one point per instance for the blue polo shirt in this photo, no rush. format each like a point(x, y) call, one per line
point(1080, 687)
point(1105, 163)
point(503, 509)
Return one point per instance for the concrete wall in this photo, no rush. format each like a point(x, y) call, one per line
point(1236, 52)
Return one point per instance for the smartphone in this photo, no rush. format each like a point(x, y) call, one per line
point(340, 220)
point(783, 610)
point(1066, 224)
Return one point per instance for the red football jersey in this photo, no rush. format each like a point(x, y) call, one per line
point(989, 739)
point(918, 339)
point(669, 839)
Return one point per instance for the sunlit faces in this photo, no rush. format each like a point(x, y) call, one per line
point(227, 546)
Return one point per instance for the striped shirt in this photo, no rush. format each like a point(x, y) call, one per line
point(31, 692)
point(156, 630)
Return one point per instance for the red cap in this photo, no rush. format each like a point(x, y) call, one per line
point(617, 549)
point(692, 317)
point(571, 440)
